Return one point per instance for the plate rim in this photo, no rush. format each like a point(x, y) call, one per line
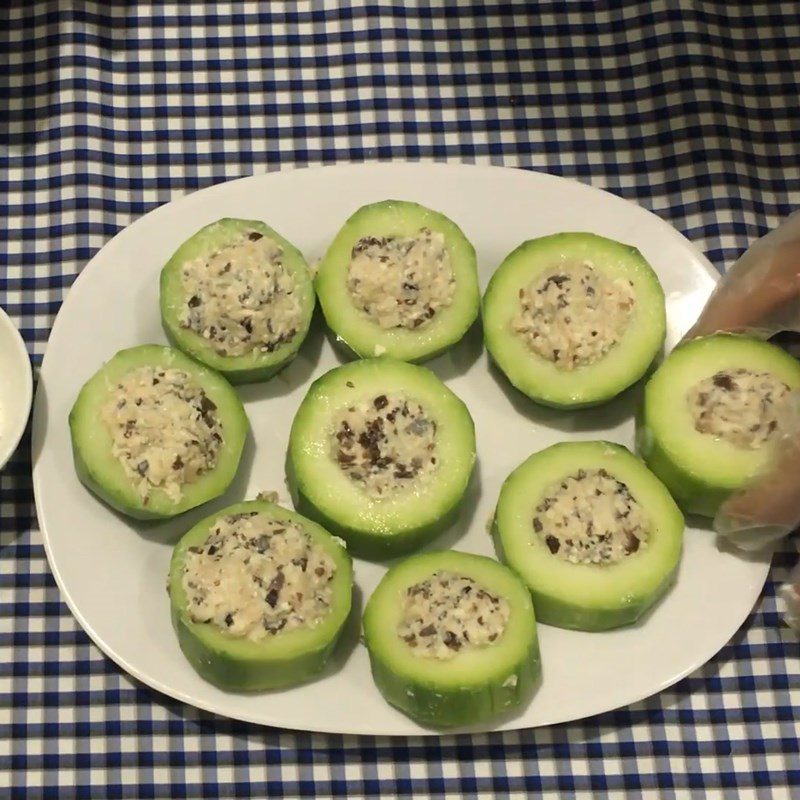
point(18, 350)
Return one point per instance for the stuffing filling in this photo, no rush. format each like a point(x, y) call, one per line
point(241, 298)
point(449, 613)
point(591, 518)
point(256, 576)
point(165, 431)
point(574, 315)
point(739, 406)
point(385, 443)
point(401, 282)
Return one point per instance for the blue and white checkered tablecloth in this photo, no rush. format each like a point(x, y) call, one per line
point(109, 109)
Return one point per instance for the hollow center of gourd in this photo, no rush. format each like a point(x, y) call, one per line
point(165, 431)
point(448, 613)
point(591, 518)
point(739, 406)
point(385, 443)
point(255, 576)
point(241, 298)
point(401, 281)
point(574, 314)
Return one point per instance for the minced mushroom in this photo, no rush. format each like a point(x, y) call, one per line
point(385, 443)
point(241, 297)
point(590, 517)
point(165, 431)
point(739, 406)
point(255, 576)
point(450, 613)
point(573, 315)
point(401, 281)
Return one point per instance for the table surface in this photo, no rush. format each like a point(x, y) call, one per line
point(110, 109)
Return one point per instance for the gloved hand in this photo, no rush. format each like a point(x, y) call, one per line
point(789, 593)
point(768, 507)
point(760, 296)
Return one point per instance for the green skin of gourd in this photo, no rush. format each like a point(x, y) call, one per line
point(692, 482)
point(588, 386)
point(692, 493)
point(286, 659)
point(439, 703)
point(372, 539)
point(91, 444)
point(562, 614)
point(363, 543)
point(254, 366)
point(356, 335)
point(608, 610)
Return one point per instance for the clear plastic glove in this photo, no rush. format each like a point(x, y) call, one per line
point(760, 296)
point(789, 595)
point(768, 507)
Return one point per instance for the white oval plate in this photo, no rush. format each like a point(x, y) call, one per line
point(112, 571)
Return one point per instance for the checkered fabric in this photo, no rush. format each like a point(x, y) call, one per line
point(112, 108)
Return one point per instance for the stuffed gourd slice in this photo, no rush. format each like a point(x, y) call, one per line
point(259, 596)
point(380, 453)
point(399, 280)
point(592, 532)
point(712, 415)
point(573, 319)
point(238, 297)
point(452, 638)
point(155, 433)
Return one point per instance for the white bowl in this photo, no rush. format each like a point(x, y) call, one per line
point(16, 387)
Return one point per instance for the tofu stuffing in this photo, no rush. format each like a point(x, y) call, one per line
point(256, 576)
point(590, 518)
point(401, 282)
point(449, 613)
point(165, 431)
point(574, 315)
point(385, 443)
point(739, 406)
point(241, 298)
